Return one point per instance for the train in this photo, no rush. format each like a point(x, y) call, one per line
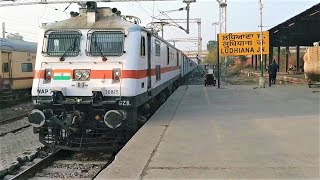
point(98, 77)
point(17, 61)
point(312, 65)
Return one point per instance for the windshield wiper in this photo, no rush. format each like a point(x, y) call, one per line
point(71, 46)
point(100, 51)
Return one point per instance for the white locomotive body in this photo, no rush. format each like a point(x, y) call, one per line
point(98, 73)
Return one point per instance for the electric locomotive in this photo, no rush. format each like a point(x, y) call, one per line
point(98, 75)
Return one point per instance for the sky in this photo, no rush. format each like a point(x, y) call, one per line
point(242, 16)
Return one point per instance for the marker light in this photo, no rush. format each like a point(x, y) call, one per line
point(48, 74)
point(116, 75)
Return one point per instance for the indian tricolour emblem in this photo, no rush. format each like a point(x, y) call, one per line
point(62, 74)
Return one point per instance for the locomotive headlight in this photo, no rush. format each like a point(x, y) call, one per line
point(86, 75)
point(81, 74)
point(77, 75)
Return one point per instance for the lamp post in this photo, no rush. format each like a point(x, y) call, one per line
point(215, 29)
point(261, 79)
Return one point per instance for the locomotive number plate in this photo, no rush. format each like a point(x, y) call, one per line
point(81, 84)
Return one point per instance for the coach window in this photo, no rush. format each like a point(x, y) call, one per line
point(5, 67)
point(157, 44)
point(143, 47)
point(177, 59)
point(26, 67)
point(168, 55)
point(158, 73)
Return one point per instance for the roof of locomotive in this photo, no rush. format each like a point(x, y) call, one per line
point(105, 19)
point(17, 45)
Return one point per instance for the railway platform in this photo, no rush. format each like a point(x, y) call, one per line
point(233, 132)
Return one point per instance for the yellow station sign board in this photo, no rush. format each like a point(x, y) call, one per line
point(245, 43)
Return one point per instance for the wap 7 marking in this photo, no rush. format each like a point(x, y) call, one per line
point(44, 91)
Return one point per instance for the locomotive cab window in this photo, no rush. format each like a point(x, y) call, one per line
point(105, 43)
point(26, 67)
point(62, 43)
point(5, 67)
point(143, 46)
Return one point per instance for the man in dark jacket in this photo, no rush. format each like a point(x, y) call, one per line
point(273, 69)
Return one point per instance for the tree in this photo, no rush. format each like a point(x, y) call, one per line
point(212, 57)
point(15, 36)
point(211, 45)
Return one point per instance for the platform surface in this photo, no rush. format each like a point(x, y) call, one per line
point(234, 132)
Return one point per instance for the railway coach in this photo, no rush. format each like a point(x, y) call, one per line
point(98, 75)
point(17, 60)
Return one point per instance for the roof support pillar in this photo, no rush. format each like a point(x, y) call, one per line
point(256, 62)
point(270, 54)
point(279, 58)
point(287, 58)
point(298, 55)
point(251, 61)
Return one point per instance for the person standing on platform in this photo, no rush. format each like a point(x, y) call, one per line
point(273, 69)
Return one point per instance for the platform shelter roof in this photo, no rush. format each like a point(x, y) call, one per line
point(302, 29)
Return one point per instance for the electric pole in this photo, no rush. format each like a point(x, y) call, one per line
point(199, 39)
point(3, 30)
point(174, 22)
point(223, 26)
point(215, 30)
point(261, 79)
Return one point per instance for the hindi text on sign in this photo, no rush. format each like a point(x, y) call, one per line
point(247, 43)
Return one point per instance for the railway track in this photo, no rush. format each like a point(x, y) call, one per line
point(12, 103)
point(6, 121)
point(15, 126)
point(64, 165)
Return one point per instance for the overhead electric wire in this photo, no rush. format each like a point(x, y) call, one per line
point(143, 8)
point(171, 34)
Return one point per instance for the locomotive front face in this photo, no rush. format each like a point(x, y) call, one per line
point(82, 87)
point(98, 77)
point(79, 64)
